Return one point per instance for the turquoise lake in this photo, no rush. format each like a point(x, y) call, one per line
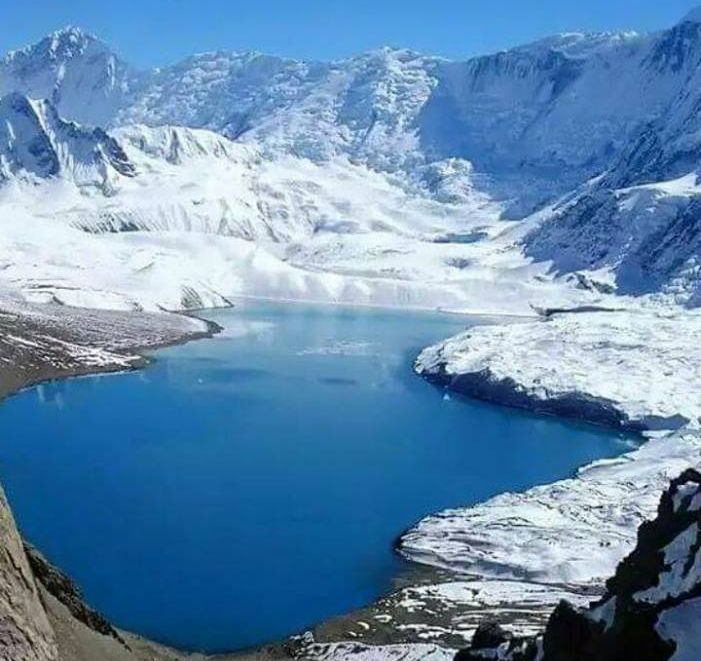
point(242, 488)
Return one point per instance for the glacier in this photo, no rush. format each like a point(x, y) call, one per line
point(128, 221)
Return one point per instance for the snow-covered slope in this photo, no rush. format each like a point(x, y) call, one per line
point(636, 368)
point(573, 363)
point(651, 606)
point(364, 108)
point(643, 239)
point(177, 217)
point(637, 224)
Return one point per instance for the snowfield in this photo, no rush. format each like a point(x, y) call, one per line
point(639, 361)
point(157, 234)
point(571, 533)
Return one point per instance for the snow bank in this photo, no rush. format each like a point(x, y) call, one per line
point(639, 362)
point(574, 531)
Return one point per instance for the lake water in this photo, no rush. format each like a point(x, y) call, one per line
point(242, 488)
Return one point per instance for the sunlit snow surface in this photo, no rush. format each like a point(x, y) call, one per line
point(221, 221)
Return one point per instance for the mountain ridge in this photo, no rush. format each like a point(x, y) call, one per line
point(365, 94)
point(501, 136)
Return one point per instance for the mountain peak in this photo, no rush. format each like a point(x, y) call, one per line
point(70, 36)
point(63, 67)
point(66, 43)
point(58, 46)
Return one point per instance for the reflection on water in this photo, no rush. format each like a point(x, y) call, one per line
point(244, 487)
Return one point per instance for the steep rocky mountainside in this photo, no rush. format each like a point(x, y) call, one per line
point(651, 608)
point(638, 223)
point(35, 142)
point(25, 633)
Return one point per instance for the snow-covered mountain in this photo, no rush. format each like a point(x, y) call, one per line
point(596, 125)
point(538, 108)
point(84, 80)
point(639, 221)
point(311, 109)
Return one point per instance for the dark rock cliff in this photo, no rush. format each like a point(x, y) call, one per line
point(651, 607)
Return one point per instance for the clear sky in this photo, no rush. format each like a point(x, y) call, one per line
point(155, 32)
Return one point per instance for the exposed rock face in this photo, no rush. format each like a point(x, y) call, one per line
point(67, 592)
point(651, 608)
point(488, 636)
point(36, 142)
point(25, 633)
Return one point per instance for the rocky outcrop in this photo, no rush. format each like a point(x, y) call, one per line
point(652, 605)
point(36, 143)
point(67, 592)
point(25, 633)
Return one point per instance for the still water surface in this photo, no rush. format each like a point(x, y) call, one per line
point(242, 488)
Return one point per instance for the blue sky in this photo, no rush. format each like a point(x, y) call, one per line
point(156, 32)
